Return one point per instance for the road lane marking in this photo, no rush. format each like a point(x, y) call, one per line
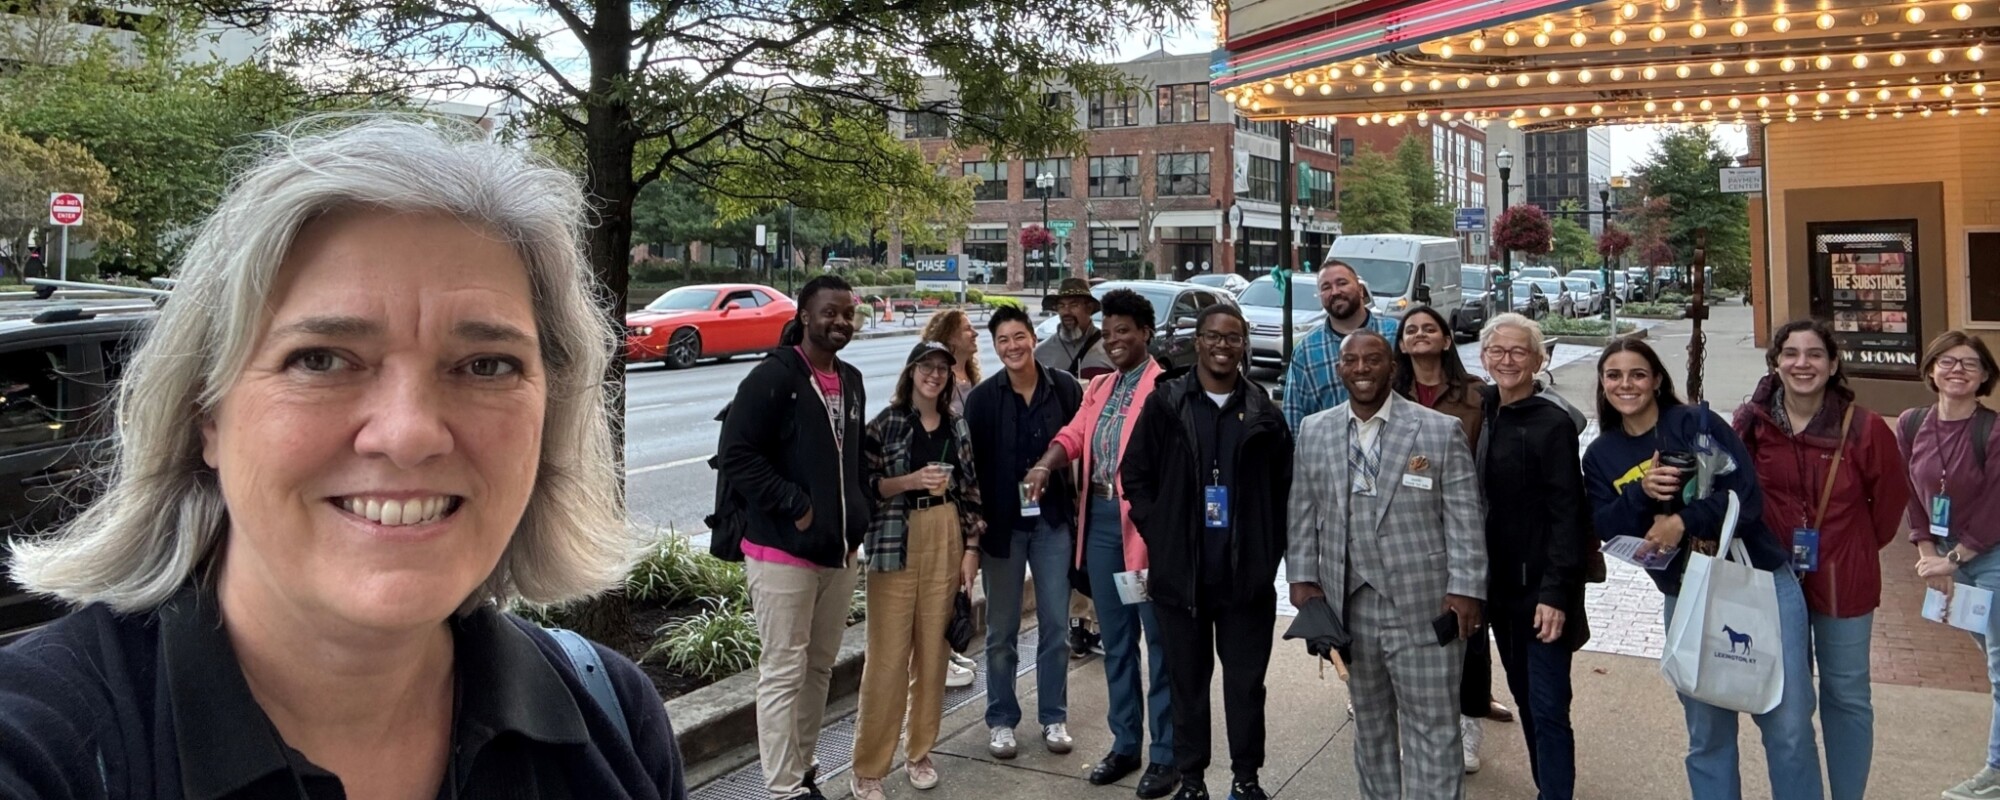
point(669, 465)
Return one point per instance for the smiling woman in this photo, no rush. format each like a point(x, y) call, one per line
point(370, 418)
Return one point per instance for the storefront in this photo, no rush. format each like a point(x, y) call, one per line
point(1872, 122)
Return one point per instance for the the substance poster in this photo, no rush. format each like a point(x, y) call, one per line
point(1865, 285)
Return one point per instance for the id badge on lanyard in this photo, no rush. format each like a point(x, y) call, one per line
point(1215, 501)
point(1941, 513)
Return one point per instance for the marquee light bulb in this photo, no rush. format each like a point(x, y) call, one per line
point(1270, 89)
point(1651, 106)
point(1299, 90)
point(1947, 90)
point(1926, 114)
point(1657, 33)
point(1791, 99)
point(1881, 94)
point(1546, 111)
point(1670, 5)
point(1781, 24)
point(1706, 104)
point(1898, 114)
point(1541, 40)
point(1578, 39)
point(1823, 63)
point(1915, 14)
point(1975, 53)
point(1492, 81)
point(1853, 96)
point(1753, 66)
point(1326, 88)
point(1583, 76)
point(1739, 28)
point(1935, 56)
point(1824, 21)
point(1445, 51)
point(1555, 77)
point(1629, 10)
point(1979, 89)
point(1822, 97)
point(1521, 79)
point(1763, 102)
point(1682, 71)
point(1678, 105)
point(1435, 84)
point(1735, 102)
point(1510, 37)
point(1478, 44)
point(1597, 109)
point(1898, 59)
point(1618, 73)
point(1406, 86)
point(1464, 82)
point(1360, 70)
point(1649, 73)
point(1697, 30)
point(1379, 87)
point(1617, 36)
point(1861, 61)
point(1548, 26)
point(1788, 65)
point(1569, 111)
point(1717, 69)
point(1916, 92)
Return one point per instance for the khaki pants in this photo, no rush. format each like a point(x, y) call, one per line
point(801, 613)
point(907, 614)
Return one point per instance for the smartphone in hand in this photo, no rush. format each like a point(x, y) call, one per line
point(1446, 627)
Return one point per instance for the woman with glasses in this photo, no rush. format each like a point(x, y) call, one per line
point(1834, 493)
point(1537, 543)
point(1429, 372)
point(922, 548)
point(1636, 490)
point(1954, 510)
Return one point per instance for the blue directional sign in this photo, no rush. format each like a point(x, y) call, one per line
point(1470, 219)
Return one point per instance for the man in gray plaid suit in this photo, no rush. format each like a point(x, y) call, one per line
point(1387, 525)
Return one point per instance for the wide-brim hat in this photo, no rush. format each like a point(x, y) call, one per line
point(927, 348)
point(1071, 287)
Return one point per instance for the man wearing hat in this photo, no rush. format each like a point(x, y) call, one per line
point(1078, 346)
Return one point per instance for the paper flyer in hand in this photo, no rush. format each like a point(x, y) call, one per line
point(1626, 549)
point(1132, 587)
point(1967, 610)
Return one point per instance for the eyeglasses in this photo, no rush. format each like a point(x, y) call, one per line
point(1212, 338)
point(1952, 364)
point(932, 368)
point(1509, 354)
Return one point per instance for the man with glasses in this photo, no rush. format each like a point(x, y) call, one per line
point(1387, 525)
point(1207, 473)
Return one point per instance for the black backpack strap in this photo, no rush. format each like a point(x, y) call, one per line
point(1076, 361)
point(1913, 421)
point(1982, 427)
point(589, 668)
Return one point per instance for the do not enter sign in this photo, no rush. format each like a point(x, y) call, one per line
point(65, 209)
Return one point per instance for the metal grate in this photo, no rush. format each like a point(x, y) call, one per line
point(836, 740)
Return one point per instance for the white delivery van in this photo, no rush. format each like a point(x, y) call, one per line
point(1403, 270)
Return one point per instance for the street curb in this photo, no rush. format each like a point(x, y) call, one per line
point(722, 716)
point(1600, 341)
point(874, 334)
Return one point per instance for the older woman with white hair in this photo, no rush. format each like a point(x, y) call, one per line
point(1537, 542)
point(370, 417)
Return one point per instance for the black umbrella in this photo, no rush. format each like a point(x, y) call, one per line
point(1326, 635)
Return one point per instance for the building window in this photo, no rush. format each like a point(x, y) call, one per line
point(925, 125)
point(1346, 152)
point(1058, 100)
point(1263, 179)
point(1114, 176)
point(1114, 110)
point(1183, 174)
point(1478, 161)
point(1183, 102)
point(1058, 167)
point(1318, 191)
point(1314, 133)
point(992, 179)
point(1248, 125)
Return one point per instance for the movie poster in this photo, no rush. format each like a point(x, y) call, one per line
point(1865, 284)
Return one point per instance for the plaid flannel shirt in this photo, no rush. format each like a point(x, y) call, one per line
point(887, 455)
point(1311, 384)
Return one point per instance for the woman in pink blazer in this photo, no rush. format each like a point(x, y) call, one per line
point(1095, 440)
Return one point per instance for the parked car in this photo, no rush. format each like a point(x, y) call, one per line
point(1229, 282)
point(1173, 302)
point(1587, 299)
point(1529, 299)
point(1267, 317)
point(57, 366)
point(1605, 295)
point(713, 320)
point(1561, 303)
point(1477, 301)
point(838, 264)
point(1537, 272)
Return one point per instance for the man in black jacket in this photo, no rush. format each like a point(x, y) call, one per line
point(1014, 415)
point(791, 447)
point(1208, 473)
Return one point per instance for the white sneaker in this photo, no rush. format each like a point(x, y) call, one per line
point(1056, 738)
point(963, 660)
point(1470, 731)
point(1002, 744)
point(1983, 786)
point(923, 774)
point(866, 789)
point(956, 677)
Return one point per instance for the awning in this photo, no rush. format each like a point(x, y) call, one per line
point(1539, 64)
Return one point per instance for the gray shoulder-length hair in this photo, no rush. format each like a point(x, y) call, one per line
point(161, 516)
point(1520, 323)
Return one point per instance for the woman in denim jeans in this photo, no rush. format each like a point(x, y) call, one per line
point(1834, 493)
point(1633, 494)
point(1946, 471)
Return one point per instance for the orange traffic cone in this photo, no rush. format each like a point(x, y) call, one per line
point(889, 311)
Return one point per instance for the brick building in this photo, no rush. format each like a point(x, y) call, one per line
point(1173, 160)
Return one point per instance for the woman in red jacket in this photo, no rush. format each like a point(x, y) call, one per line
point(1834, 488)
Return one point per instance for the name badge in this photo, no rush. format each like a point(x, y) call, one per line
point(1940, 516)
point(1805, 550)
point(1418, 482)
point(1029, 508)
point(1215, 506)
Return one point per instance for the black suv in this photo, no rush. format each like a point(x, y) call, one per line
point(58, 363)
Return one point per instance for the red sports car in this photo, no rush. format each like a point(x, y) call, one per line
point(714, 320)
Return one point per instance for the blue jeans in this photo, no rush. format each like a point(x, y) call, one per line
point(1538, 674)
point(1046, 550)
point(1984, 572)
point(1846, 710)
point(1791, 746)
point(1121, 626)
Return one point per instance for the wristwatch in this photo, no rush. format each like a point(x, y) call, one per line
point(1953, 557)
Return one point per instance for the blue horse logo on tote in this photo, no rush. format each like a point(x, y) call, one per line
point(1736, 639)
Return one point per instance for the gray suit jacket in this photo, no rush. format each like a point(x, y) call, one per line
point(1434, 540)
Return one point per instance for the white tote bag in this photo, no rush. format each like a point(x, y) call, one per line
point(1725, 646)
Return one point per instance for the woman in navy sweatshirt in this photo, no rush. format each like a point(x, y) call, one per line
point(1639, 418)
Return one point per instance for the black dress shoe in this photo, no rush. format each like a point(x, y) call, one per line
point(1247, 789)
point(1192, 790)
point(1159, 781)
point(1113, 769)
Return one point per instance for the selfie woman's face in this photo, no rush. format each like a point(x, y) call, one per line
point(380, 446)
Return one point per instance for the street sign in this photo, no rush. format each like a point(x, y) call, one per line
point(1061, 227)
point(65, 209)
point(1470, 219)
point(760, 236)
point(1739, 180)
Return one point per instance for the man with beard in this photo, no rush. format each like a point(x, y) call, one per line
point(1078, 346)
point(1387, 526)
point(1014, 415)
point(1207, 474)
point(1312, 384)
point(791, 446)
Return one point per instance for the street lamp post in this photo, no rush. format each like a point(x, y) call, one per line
point(1505, 285)
point(1610, 289)
point(1045, 182)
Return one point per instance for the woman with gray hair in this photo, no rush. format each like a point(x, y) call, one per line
point(370, 417)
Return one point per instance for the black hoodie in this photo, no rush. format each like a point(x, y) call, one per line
point(779, 451)
point(1538, 531)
